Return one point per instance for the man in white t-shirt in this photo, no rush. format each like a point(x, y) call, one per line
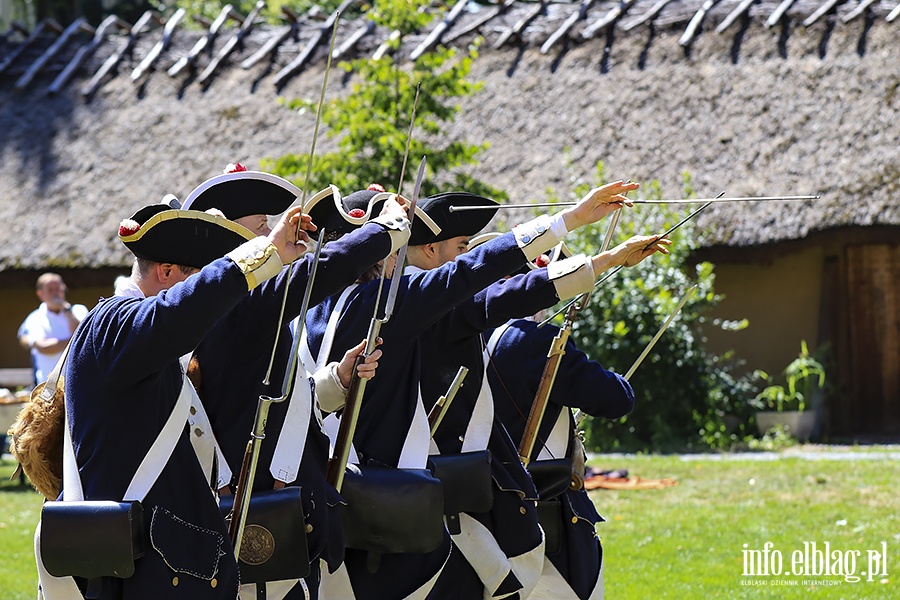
point(46, 331)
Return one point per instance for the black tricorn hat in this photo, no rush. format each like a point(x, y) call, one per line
point(453, 224)
point(338, 215)
point(558, 252)
point(192, 238)
point(242, 193)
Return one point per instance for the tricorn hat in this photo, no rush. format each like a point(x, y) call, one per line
point(240, 193)
point(453, 224)
point(338, 215)
point(191, 238)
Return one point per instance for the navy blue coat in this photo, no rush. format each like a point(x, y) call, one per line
point(122, 381)
point(233, 360)
point(515, 371)
point(390, 398)
point(456, 340)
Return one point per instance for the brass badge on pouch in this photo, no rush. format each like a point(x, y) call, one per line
point(258, 545)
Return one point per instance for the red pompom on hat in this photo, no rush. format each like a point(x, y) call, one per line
point(234, 168)
point(374, 187)
point(128, 227)
point(357, 213)
point(542, 261)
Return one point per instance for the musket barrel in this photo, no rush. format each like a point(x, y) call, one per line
point(659, 333)
point(342, 445)
point(716, 200)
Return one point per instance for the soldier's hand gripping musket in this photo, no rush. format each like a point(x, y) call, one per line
point(350, 416)
point(251, 454)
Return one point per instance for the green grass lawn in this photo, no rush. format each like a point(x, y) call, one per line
point(685, 541)
point(688, 541)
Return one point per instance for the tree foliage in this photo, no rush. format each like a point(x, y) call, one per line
point(371, 123)
point(682, 392)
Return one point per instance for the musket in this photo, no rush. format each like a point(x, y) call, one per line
point(554, 357)
point(659, 333)
point(717, 200)
point(542, 395)
point(580, 415)
point(309, 164)
point(247, 474)
point(350, 417)
point(440, 408)
point(619, 268)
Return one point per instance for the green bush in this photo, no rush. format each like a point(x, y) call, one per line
point(682, 391)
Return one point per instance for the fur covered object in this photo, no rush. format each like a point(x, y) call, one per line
point(37, 439)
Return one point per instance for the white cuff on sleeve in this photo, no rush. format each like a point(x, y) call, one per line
point(536, 236)
point(399, 230)
point(572, 276)
point(330, 393)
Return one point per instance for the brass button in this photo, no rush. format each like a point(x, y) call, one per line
point(522, 510)
point(574, 520)
point(174, 581)
point(213, 583)
point(309, 528)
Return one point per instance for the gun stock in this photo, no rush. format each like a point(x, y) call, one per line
point(542, 396)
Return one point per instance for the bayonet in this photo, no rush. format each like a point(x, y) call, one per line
point(580, 415)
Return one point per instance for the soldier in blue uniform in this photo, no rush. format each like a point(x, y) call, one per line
point(393, 428)
point(123, 378)
point(233, 358)
point(518, 355)
point(503, 547)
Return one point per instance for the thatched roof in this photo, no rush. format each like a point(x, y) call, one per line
point(755, 110)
